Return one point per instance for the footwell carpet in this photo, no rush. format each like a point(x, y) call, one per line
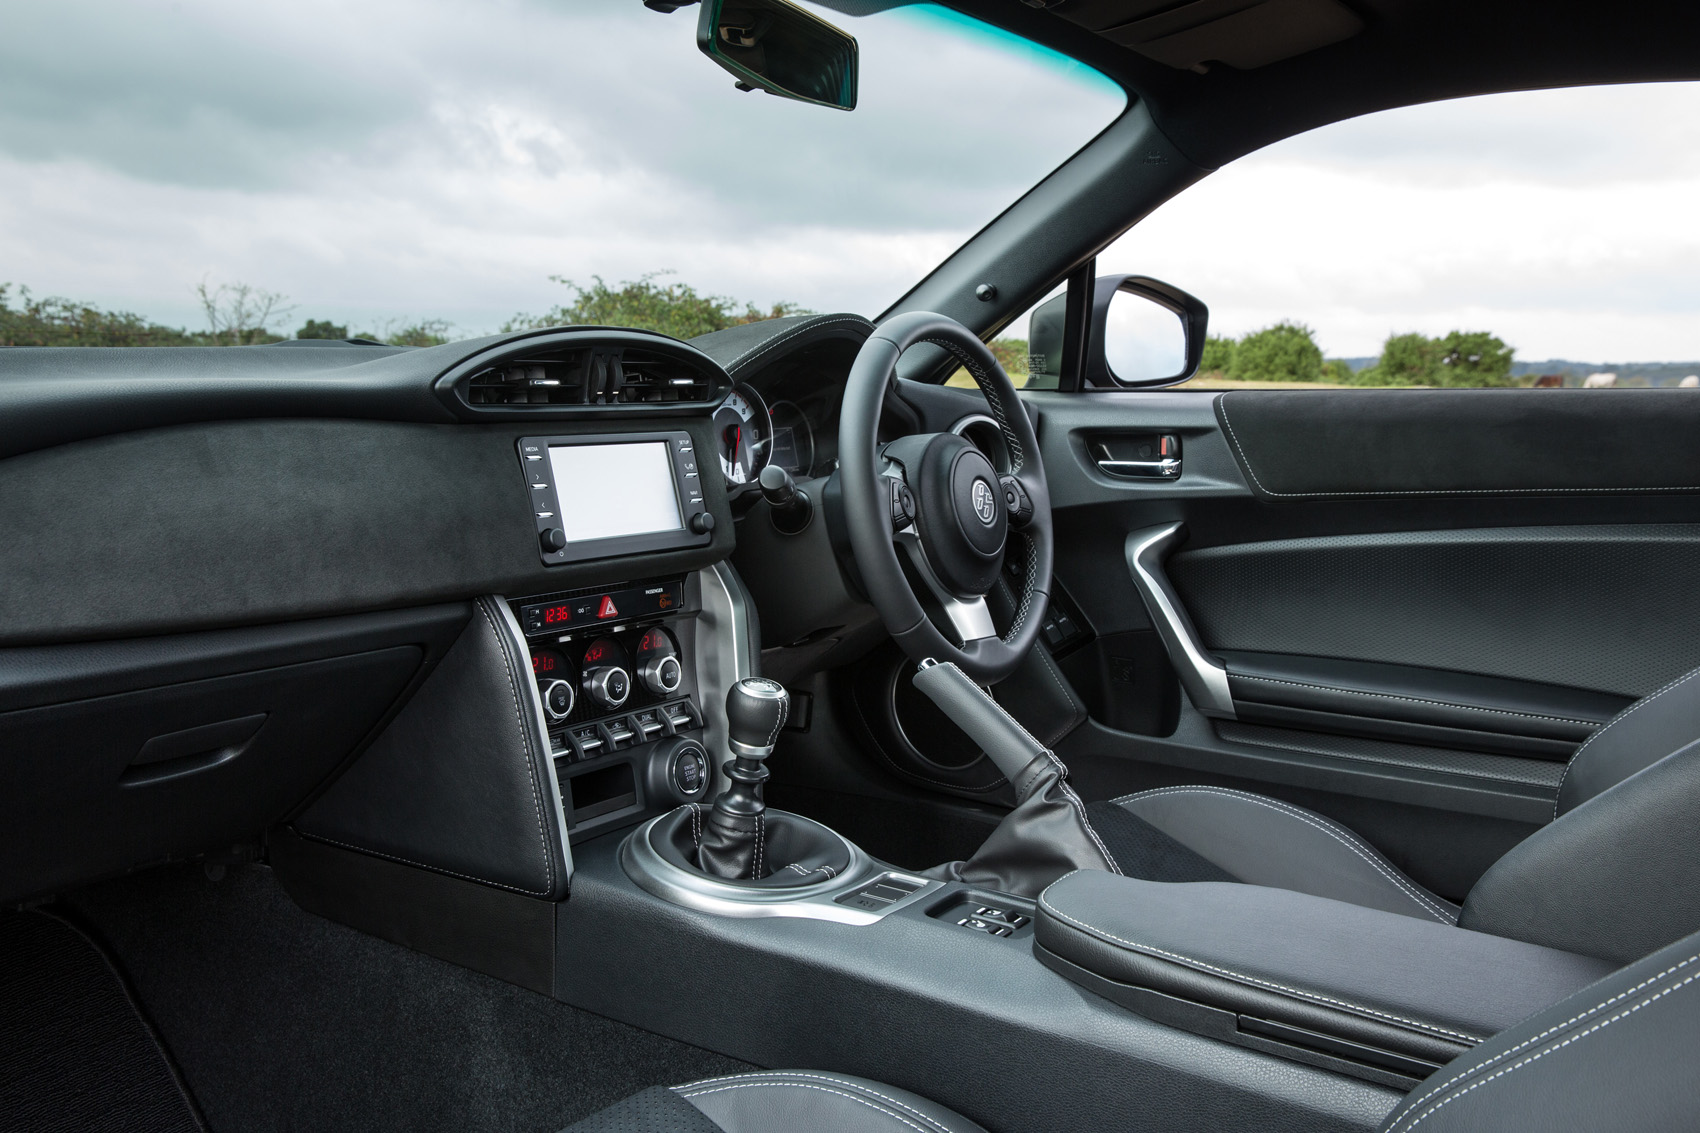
point(75, 1051)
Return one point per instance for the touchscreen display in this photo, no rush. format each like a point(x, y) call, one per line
point(606, 491)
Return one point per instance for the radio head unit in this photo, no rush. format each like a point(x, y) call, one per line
point(614, 494)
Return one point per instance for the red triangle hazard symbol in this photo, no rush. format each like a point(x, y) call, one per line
point(607, 610)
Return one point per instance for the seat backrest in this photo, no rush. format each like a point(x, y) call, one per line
point(1616, 1056)
point(1617, 873)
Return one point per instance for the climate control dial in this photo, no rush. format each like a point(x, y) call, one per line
point(658, 665)
point(607, 685)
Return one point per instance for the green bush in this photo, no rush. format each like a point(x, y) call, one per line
point(1337, 371)
point(1285, 352)
point(676, 309)
point(322, 328)
point(1460, 359)
point(56, 321)
point(1218, 357)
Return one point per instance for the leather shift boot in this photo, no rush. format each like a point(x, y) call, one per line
point(733, 845)
point(1046, 836)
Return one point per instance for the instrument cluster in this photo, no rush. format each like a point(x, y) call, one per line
point(750, 434)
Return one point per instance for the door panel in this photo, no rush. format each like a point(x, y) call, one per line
point(1442, 596)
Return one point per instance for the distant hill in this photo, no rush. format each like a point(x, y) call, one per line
point(1628, 373)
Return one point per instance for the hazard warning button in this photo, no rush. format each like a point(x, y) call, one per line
point(607, 609)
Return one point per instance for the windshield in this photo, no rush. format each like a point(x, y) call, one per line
point(411, 171)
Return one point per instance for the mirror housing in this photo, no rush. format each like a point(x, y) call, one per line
point(1131, 324)
point(775, 46)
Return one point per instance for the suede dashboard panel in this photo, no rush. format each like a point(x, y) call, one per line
point(229, 523)
point(1322, 443)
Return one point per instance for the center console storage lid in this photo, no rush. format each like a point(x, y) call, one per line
point(1358, 984)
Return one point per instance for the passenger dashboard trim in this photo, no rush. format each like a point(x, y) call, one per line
point(521, 653)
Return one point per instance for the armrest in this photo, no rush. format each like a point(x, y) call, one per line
point(1384, 996)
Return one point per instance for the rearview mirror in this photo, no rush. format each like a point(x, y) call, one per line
point(1144, 332)
point(775, 46)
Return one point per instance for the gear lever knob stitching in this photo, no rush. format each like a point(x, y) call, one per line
point(756, 709)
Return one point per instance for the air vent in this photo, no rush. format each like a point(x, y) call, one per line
point(554, 378)
point(590, 376)
point(645, 377)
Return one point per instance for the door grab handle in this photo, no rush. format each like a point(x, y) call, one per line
point(1203, 677)
point(1166, 469)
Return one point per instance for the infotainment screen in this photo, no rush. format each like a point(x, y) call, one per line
point(594, 497)
point(610, 491)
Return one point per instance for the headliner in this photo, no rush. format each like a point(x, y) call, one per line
point(1410, 51)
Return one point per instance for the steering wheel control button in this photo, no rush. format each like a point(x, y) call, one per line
point(902, 506)
point(1015, 498)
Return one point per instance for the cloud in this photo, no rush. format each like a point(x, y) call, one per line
point(406, 158)
point(1474, 214)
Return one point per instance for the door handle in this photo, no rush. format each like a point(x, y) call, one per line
point(1156, 457)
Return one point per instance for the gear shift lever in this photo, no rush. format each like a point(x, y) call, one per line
point(734, 837)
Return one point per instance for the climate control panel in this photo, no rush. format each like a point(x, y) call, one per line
point(615, 679)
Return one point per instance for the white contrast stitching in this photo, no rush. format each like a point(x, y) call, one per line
point(761, 348)
point(1416, 700)
point(1080, 810)
point(1572, 1021)
point(1310, 996)
point(530, 750)
point(1577, 754)
point(804, 1086)
point(421, 865)
point(836, 1087)
point(1222, 400)
point(1316, 821)
point(1514, 1067)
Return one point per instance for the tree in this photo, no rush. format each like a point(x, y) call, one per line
point(1218, 355)
point(1337, 370)
point(1285, 352)
point(1460, 359)
point(425, 332)
point(1473, 358)
point(676, 309)
point(322, 328)
point(239, 314)
point(1011, 354)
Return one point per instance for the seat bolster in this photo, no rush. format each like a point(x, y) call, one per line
point(783, 1101)
point(1616, 1056)
point(1615, 878)
point(1263, 841)
point(1636, 738)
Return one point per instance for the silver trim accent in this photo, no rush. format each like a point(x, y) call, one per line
point(518, 637)
point(969, 617)
point(724, 656)
point(543, 695)
point(1001, 459)
point(596, 685)
point(650, 674)
point(1202, 676)
point(749, 752)
point(1168, 468)
point(656, 875)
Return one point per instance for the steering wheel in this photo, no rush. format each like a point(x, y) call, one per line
point(938, 498)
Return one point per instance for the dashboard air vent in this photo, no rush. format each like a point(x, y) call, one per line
point(553, 378)
point(642, 376)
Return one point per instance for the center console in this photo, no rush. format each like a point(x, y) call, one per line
point(616, 675)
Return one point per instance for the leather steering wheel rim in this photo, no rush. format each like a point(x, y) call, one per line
point(867, 502)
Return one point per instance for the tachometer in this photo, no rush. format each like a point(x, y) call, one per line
point(793, 447)
point(742, 432)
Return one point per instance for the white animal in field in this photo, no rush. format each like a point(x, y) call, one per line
point(1692, 381)
point(1599, 381)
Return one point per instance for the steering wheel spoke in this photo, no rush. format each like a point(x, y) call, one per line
point(928, 516)
point(969, 617)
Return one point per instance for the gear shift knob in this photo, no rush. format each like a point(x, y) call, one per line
point(756, 708)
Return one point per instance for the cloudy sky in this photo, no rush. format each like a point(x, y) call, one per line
point(391, 160)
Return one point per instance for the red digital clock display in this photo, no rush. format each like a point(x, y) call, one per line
point(558, 615)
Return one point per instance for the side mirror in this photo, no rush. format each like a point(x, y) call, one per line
point(1144, 332)
point(775, 46)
